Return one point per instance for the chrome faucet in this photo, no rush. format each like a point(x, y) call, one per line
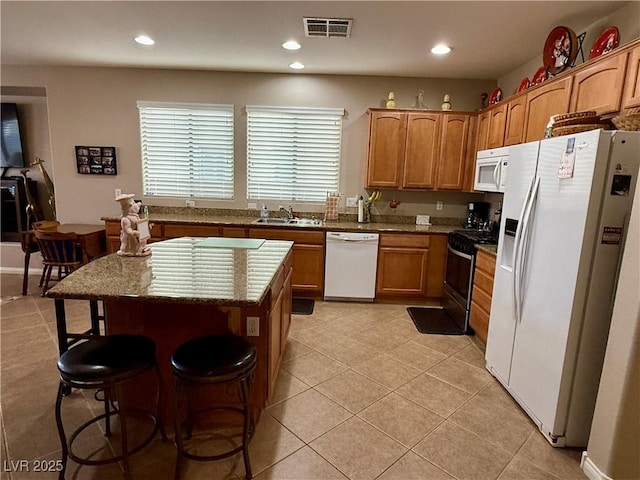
point(287, 211)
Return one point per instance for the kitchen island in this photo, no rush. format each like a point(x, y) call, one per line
point(191, 287)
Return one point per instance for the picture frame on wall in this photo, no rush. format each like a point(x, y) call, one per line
point(96, 160)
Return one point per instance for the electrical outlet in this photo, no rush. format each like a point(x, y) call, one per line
point(118, 192)
point(190, 203)
point(439, 205)
point(253, 326)
point(352, 201)
point(252, 206)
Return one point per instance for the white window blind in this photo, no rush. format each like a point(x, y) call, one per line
point(187, 150)
point(293, 153)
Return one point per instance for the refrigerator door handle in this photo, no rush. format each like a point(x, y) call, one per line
point(516, 252)
point(522, 251)
point(496, 171)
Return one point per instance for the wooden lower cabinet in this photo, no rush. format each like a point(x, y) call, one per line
point(113, 228)
point(181, 230)
point(410, 266)
point(308, 257)
point(481, 296)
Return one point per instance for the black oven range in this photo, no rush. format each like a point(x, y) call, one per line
point(458, 284)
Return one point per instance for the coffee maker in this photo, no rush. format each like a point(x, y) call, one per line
point(477, 215)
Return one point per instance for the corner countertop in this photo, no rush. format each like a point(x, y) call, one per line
point(340, 226)
point(180, 271)
point(490, 249)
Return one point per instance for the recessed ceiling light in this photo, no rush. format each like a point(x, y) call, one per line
point(296, 66)
point(144, 40)
point(441, 49)
point(291, 45)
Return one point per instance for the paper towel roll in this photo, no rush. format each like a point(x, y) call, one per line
point(361, 210)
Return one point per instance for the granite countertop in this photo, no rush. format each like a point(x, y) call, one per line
point(490, 249)
point(197, 218)
point(180, 270)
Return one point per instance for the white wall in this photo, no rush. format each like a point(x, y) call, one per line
point(97, 106)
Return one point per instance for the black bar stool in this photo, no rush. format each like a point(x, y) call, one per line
point(107, 364)
point(224, 359)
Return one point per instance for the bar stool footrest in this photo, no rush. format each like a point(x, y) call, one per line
point(220, 456)
point(118, 458)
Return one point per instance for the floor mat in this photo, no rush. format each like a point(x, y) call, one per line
point(434, 321)
point(302, 306)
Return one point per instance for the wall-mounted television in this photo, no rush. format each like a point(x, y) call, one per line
point(11, 139)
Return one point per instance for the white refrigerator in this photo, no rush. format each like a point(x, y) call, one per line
point(565, 209)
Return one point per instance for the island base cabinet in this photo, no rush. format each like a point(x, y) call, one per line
point(170, 325)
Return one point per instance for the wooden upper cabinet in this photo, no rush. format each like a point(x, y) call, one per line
point(453, 152)
point(422, 150)
point(426, 150)
point(599, 87)
point(631, 95)
point(387, 134)
point(497, 123)
point(516, 115)
point(542, 103)
point(483, 131)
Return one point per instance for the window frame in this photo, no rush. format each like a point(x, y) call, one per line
point(301, 151)
point(200, 186)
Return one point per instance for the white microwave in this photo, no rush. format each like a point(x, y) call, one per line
point(491, 170)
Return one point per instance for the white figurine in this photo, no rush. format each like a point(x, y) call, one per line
point(446, 105)
point(130, 243)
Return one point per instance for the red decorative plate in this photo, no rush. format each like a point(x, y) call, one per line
point(496, 96)
point(605, 42)
point(524, 84)
point(540, 76)
point(560, 49)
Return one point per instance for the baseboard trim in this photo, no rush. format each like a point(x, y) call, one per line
point(20, 270)
point(590, 469)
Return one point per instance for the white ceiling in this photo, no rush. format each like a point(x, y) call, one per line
point(489, 39)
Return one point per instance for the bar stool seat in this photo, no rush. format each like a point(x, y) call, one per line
point(214, 360)
point(107, 364)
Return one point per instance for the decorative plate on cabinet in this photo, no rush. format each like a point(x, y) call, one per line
point(496, 96)
point(560, 49)
point(524, 84)
point(605, 42)
point(539, 77)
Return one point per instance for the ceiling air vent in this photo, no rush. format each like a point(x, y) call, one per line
point(327, 27)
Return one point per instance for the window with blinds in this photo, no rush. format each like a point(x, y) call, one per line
point(187, 150)
point(293, 153)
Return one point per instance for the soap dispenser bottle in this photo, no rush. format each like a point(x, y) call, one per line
point(264, 213)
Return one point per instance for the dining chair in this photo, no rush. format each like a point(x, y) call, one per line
point(30, 245)
point(60, 250)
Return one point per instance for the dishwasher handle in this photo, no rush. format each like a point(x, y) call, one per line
point(353, 238)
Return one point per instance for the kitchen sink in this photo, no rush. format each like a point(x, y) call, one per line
point(272, 221)
point(308, 222)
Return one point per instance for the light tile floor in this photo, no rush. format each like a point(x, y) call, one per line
point(360, 395)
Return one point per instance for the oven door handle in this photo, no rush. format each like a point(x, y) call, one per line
point(458, 253)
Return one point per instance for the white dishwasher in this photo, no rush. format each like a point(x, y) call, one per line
point(350, 266)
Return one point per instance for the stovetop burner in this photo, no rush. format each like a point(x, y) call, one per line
point(466, 240)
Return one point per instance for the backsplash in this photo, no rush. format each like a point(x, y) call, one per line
point(343, 217)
